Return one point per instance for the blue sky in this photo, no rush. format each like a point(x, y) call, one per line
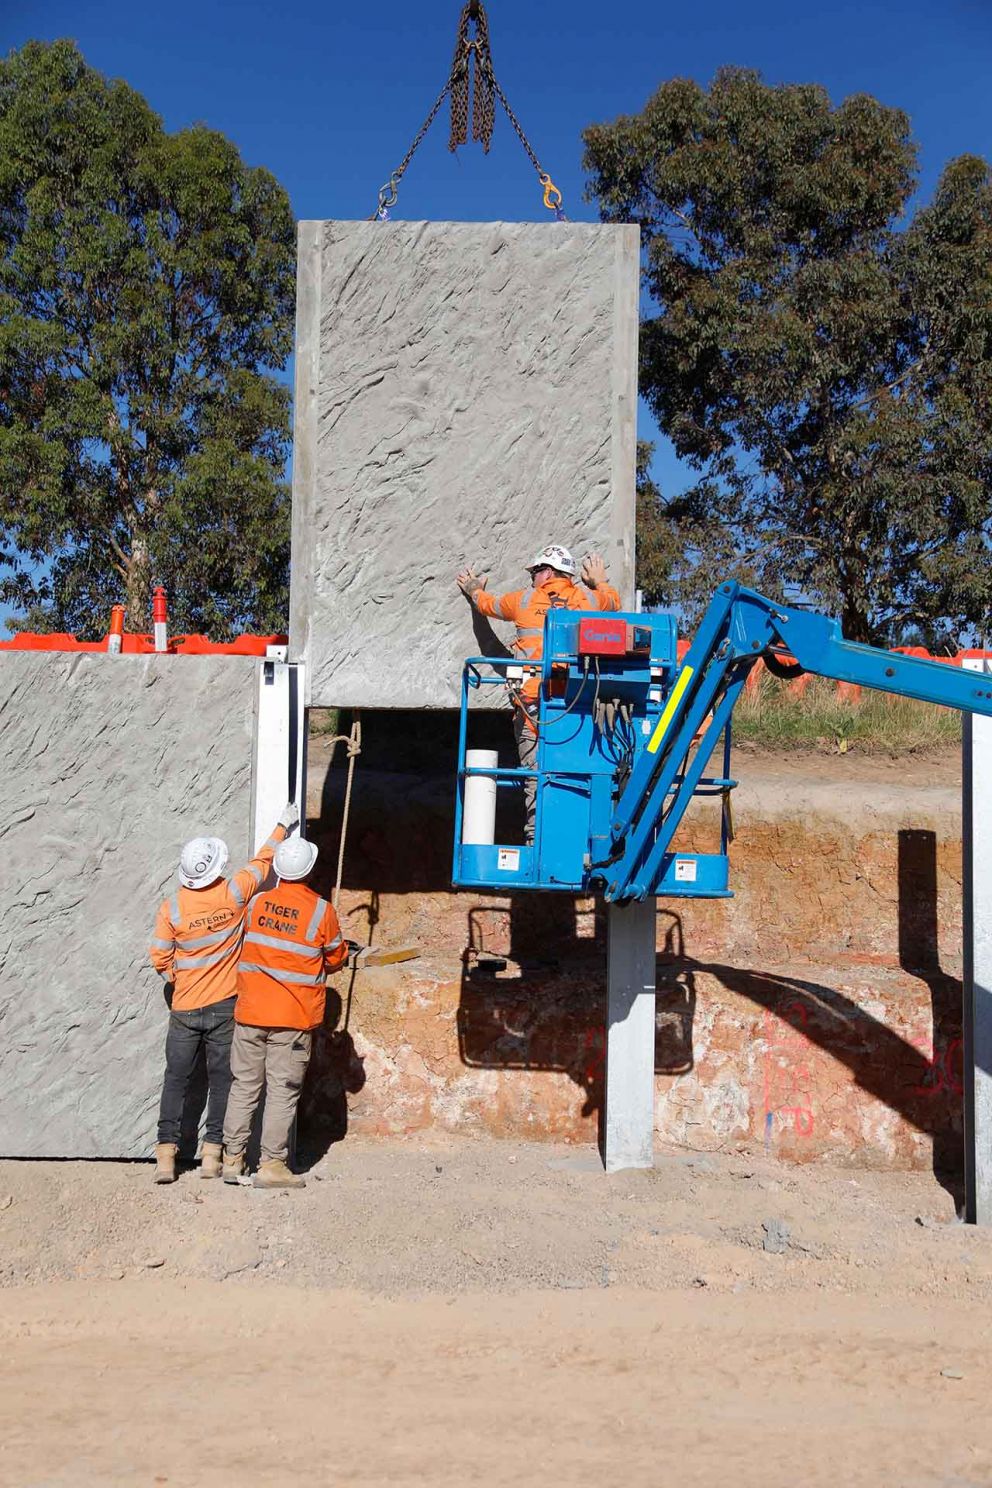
point(328, 95)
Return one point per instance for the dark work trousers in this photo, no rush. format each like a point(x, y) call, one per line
point(213, 1027)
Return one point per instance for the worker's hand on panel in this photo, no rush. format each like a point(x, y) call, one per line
point(290, 817)
point(593, 570)
point(469, 582)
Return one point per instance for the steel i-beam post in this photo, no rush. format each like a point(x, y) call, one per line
point(628, 1126)
point(976, 780)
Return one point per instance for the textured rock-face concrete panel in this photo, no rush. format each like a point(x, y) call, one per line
point(464, 392)
point(107, 765)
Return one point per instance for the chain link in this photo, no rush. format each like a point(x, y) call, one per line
point(388, 192)
point(471, 70)
point(472, 59)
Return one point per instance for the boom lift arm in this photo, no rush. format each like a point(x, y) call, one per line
point(739, 628)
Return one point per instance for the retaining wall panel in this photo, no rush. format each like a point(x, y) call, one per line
point(465, 392)
point(107, 765)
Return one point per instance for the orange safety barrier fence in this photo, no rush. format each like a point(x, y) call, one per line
point(135, 644)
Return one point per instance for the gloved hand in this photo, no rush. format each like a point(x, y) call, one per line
point(469, 582)
point(593, 570)
point(290, 816)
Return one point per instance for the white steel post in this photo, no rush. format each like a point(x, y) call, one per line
point(628, 1127)
point(976, 781)
point(280, 745)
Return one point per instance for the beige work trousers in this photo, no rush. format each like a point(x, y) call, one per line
point(276, 1058)
point(527, 751)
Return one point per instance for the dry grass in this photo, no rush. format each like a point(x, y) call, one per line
point(876, 723)
point(770, 716)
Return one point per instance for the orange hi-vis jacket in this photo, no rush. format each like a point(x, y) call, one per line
point(526, 608)
point(292, 940)
point(198, 933)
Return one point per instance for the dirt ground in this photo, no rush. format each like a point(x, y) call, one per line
point(469, 1312)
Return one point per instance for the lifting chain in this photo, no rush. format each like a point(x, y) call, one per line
point(472, 56)
point(471, 71)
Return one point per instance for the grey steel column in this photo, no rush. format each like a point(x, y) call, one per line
point(976, 782)
point(628, 1127)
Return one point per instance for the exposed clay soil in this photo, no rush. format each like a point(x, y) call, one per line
point(480, 1312)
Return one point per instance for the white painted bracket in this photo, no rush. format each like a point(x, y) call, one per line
point(628, 1127)
point(279, 773)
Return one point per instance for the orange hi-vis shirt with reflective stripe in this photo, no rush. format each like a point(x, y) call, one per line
point(198, 933)
point(292, 940)
point(526, 608)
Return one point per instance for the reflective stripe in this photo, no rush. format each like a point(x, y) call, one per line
point(316, 918)
point(236, 894)
point(214, 938)
point(293, 948)
point(162, 945)
point(332, 945)
point(661, 728)
point(257, 873)
point(291, 977)
point(174, 910)
point(192, 963)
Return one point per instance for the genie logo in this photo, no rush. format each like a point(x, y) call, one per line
point(601, 637)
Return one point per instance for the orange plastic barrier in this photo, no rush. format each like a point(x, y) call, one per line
point(135, 644)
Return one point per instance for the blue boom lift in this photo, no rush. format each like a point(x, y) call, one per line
point(625, 736)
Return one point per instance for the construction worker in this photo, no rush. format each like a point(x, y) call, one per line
point(552, 587)
point(196, 946)
point(292, 941)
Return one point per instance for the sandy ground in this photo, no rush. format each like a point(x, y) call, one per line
point(467, 1312)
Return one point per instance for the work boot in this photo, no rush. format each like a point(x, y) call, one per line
point(165, 1162)
point(210, 1160)
point(234, 1166)
point(273, 1173)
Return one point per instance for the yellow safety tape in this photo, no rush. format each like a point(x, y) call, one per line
point(661, 728)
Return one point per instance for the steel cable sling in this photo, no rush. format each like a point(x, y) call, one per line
point(471, 73)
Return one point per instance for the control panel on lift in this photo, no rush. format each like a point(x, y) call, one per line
point(604, 682)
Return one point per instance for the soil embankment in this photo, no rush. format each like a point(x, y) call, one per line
point(816, 1014)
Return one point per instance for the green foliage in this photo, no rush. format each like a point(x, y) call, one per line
point(683, 549)
point(146, 298)
point(827, 371)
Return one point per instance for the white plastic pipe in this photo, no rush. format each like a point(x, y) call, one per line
point(479, 814)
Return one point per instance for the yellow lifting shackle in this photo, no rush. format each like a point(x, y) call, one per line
point(552, 196)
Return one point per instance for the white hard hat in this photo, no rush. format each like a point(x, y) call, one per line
point(294, 858)
point(557, 557)
point(201, 861)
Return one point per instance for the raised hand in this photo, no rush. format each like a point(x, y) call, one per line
point(593, 570)
point(469, 582)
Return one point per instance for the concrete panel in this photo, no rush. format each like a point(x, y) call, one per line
point(463, 392)
point(107, 764)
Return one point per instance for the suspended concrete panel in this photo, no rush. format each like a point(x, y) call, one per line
point(464, 392)
point(107, 765)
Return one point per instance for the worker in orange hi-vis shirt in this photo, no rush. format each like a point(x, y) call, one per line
point(196, 947)
point(292, 941)
point(552, 587)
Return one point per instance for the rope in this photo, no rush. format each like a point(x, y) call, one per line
point(354, 743)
